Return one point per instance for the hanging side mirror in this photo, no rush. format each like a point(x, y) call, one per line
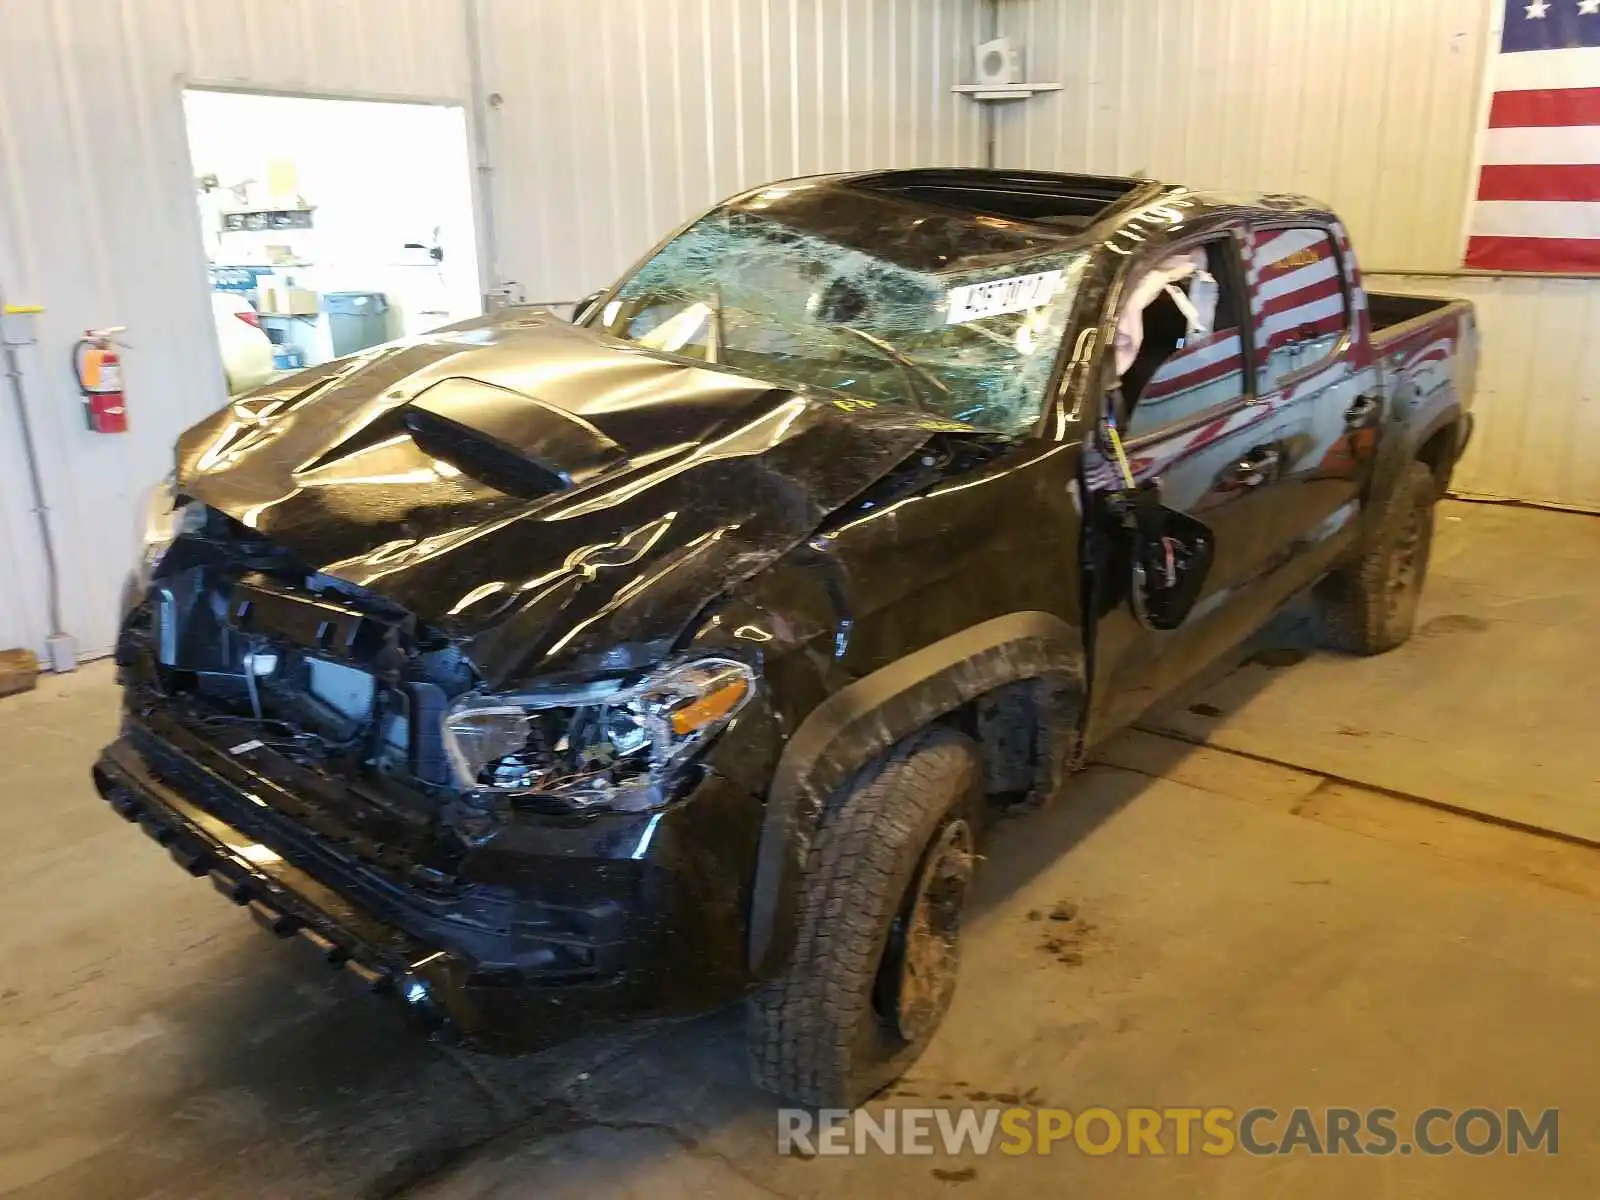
point(1170, 557)
point(1169, 552)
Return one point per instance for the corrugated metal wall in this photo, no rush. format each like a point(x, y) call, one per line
point(1371, 105)
point(97, 223)
point(615, 120)
point(1538, 406)
point(610, 123)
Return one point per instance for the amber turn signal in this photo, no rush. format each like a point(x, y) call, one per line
point(713, 706)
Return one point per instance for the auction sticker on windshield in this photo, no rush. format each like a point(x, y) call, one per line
point(975, 301)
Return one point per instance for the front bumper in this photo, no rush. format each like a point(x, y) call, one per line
point(657, 946)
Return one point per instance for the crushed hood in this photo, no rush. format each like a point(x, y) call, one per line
point(548, 496)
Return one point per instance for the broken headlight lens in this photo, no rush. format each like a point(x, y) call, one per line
point(604, 745)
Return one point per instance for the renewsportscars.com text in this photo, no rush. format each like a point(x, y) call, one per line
point(1213, 1131)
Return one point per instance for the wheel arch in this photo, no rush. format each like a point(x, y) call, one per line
point(1438, 436)
point(864, 719)
point(1438, 446)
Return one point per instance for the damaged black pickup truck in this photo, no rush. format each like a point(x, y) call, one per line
point(546, 673)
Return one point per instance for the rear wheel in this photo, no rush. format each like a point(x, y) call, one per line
point(1370, 606)
point(876, 959)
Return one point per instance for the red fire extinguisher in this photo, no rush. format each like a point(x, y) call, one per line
point(99, 372)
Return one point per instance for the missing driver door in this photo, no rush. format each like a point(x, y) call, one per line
point(1193, 434)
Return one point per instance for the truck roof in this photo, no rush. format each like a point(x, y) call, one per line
point(1070, 203)
point(938, 220)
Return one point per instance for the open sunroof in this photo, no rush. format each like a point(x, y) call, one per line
point(1070, 201)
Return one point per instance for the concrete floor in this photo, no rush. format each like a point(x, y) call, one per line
point(1265, 923)
point(1485, 709)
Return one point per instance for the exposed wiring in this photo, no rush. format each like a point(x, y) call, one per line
point(278, 734)
point(1121, 454)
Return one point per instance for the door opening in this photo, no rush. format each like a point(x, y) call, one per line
point(329, 225)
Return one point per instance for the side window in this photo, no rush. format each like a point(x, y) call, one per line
point(1300, 307)
point(1178, 349)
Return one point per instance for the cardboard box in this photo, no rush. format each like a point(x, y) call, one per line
point(287, 301)
point(19, 671)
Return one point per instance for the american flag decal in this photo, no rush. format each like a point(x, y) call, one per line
point(1538, 201)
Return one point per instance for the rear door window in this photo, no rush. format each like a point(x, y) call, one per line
point(1301, 310)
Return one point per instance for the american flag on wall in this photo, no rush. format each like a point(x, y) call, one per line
point(1538, 200)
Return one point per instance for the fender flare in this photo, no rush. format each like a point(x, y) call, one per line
point(1448, 414)
point(1400, 448)
point(865, 718)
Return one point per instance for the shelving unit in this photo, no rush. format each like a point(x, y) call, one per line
point(995, 94)
point(257, 220)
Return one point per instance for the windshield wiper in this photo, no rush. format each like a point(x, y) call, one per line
point(916, 374)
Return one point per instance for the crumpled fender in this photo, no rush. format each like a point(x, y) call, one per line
point(863, 720)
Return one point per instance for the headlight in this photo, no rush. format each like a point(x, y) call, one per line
point(602, 745)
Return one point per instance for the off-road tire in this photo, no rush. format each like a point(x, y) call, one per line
point(1370, 605)
point(818, 1033)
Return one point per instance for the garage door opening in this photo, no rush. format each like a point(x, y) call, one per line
point(329, 225)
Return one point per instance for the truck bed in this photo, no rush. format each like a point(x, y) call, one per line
point(1389, 309)
point(1426, 348)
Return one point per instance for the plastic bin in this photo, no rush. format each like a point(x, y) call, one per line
point(356, 320)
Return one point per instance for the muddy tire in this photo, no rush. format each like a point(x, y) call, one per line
point(1370, 606)
point(877, 951)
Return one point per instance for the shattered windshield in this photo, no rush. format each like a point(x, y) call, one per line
point(953, 314)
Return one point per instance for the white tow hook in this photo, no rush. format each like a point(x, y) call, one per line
point(257, 663)
point(261, 662)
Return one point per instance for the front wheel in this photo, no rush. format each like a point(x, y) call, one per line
point(875, 963)
point(1370, 606)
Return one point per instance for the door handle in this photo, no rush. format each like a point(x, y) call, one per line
point(1363, 408)
point(1256, 467)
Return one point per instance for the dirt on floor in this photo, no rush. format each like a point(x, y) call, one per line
point(1257, 924)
